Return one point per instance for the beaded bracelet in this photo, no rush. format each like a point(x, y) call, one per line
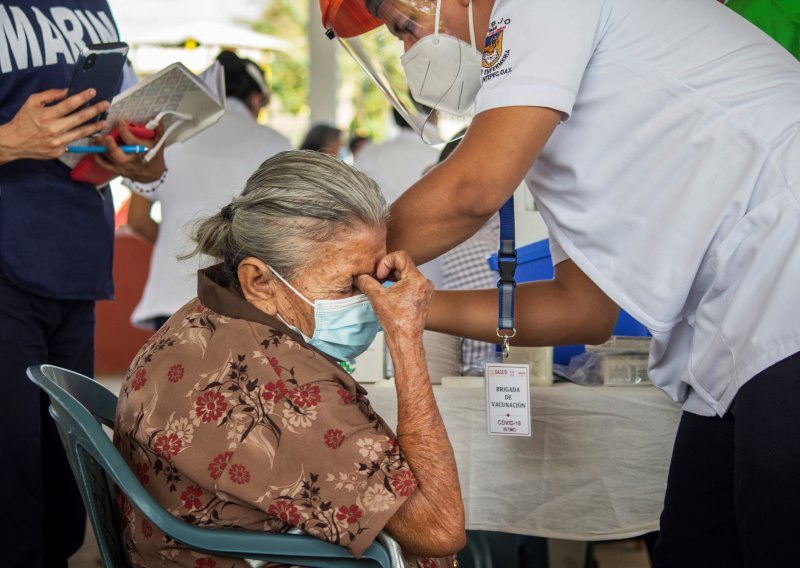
point(148, 187)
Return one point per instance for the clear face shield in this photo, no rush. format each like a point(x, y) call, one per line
point(406, 47)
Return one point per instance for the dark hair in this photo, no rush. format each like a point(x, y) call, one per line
point(241, 76)
point(321, 136)
point(399, 120)
point(357, 141)
point(450, 147)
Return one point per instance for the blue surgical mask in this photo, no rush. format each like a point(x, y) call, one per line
point(343, 328)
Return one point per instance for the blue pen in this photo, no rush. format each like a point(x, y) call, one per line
point(137, 149)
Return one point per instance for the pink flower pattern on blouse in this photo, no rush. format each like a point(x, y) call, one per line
point(218, 464)
point(239, 474)
point(140, 380)
point(306, 396)
point(191, 497)
point(210, 406)
point(350, 514)
point(175, 373)
point(274, 391)
point(334, 438)
point(404, 483)
point(285, 512)
point(167, 446)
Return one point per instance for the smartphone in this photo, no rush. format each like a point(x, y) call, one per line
point(99, 67)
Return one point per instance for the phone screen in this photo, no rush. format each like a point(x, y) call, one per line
point(99, 67)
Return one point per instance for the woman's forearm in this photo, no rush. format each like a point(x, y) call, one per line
point(456, 198)
point(436, 505)
point(8, 148)
point(139, 219)
point(569, 309)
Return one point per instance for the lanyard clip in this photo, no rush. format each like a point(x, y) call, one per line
point(506, 337)
point(507, 266)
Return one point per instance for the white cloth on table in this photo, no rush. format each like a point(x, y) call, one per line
point(205, 173)
point(594, 469)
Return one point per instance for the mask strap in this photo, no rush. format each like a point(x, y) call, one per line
point(292, 288)
point(293, 327)
point(471, 27)
point(437, 17)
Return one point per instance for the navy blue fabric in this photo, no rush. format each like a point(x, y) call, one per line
point(56, 244)
point(507, 228)
point(732, 492)
point(56, 235)
point(46, 521)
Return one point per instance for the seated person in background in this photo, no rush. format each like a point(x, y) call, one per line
point(238, 413)
point(323, 138)
point(205, 173)
point(358, 144)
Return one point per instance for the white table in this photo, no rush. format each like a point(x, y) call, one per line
point(594, 469)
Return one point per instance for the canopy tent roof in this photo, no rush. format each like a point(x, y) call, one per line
point(204, 33)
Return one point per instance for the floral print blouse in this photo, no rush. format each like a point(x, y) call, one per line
point(229, 419)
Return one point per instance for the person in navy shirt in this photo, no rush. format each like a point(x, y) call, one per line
point(56, 244)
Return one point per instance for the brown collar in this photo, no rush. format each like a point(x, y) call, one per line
point(215, 292)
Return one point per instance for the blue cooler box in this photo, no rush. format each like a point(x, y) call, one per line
point(534, 263)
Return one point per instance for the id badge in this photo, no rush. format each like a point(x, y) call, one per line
point(508, 399)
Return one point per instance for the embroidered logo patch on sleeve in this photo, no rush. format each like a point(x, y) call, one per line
point(494, 57)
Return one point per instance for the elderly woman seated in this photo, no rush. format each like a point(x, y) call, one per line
point(239, 413)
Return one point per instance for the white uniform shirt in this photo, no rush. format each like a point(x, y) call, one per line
point(395, 166)
point(674, 180)
point(205, 173)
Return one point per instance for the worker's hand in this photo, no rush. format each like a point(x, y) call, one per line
point(131, 166)
point(403, 308)
point(42, 130)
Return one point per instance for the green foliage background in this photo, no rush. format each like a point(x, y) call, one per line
point(289, 71)
point(288, 20)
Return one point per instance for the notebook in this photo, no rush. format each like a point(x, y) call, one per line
point(182, 102)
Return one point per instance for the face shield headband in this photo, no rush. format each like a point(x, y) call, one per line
point(429, 75)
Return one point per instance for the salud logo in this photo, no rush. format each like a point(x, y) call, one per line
point(493, 51)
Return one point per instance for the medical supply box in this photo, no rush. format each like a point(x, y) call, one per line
point(621, 361)
point(534, 263)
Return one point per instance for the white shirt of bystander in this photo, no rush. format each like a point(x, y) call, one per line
point(205, 172)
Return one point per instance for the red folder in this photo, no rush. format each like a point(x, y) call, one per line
point(88, 171)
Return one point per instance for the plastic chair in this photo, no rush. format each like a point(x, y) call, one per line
point(81, 406)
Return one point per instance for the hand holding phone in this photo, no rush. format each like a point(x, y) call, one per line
point(47, 123)
point(99, 67)
point(50, 120)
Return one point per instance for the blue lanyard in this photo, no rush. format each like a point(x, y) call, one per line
point(507, 265)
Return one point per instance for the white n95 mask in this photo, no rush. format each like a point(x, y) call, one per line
point(343, 328)
point(444, 72)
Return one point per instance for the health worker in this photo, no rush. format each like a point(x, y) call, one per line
point(661, 141)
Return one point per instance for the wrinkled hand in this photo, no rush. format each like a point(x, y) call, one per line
point(131, 166)
point(43, 132)
point(403, 308)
